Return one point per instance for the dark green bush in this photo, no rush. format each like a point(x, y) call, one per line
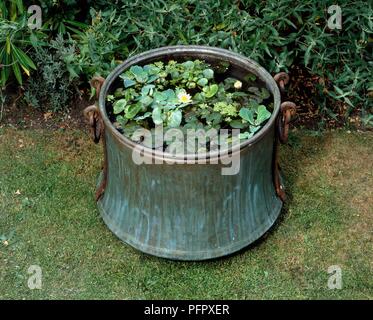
point(55, 82)
point(277, 34)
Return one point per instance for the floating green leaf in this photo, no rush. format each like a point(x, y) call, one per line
point(119, 106)
point(247, 114)
point(237, 124)
point(132, 110)
point(245, 135)
point(144, 116)
point(147, 90)
point(208, 73)
point(188, 64)
point(262, 115)
point(128, 82)
point(202, 82)
point(139, 73)
point(157, 116)
point(146, 101)
point(210, 91)
point(174, 119)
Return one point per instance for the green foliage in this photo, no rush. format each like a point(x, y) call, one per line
point(277, 34)
point(55, 81)
point(61, 17)
point(15, 37)
point(186, 95)
point(101, 43)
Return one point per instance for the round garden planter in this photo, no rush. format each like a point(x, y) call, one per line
point(187, 211)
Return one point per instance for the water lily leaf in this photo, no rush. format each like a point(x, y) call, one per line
point(130, 128)
point(146, 101)
point(152, 78)
point(119, 93)
point(250, 77)
point(210, 91)
point(120, 122)
point(170, 106)
point(262, 115)
point(254, 129)
point(136, 70)
point(139, 73)
point(169, 94)
point(247, 114)
point(229, 83)
point(191, 117)
point(151, 69)
point(237, 124)
point(208, 73)
point(175, 74)
point(127, 82)
point(159, 96)
point(198, 97)
point(245, 135)
point(132, 110)
point(175, 119)
point(144, 116)
point(264, 93)
point(147, 90)
point(254, 90)
point(188, 64)
point(119, 106)
point(202, 82)
point(213, 118)
point(157, 116)
point(130, 94)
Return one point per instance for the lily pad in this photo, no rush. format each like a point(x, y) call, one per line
point(210, 91)
point(208, 73)
point(132, 110)
point(262, 115)
point(119, 106)
point(247, 114)
point(202, 82)
point(175, 119)
point(157, 116)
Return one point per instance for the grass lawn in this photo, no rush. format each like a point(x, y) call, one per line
point(48, 217)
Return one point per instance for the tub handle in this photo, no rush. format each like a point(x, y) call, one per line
point(97, 131)
point(92, 114)
point(282, 79)
point(287, 111)
point(93, 117)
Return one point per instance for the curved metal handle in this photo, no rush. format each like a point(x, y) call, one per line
point(97, 131)
point(97, 83)
point(287, 111)
point(92, 114)
point(282, 79)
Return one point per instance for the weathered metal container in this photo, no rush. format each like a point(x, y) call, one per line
point(190, 211)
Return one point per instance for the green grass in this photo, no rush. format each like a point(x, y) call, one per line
point(54, 223)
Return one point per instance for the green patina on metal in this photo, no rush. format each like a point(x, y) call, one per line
point(190, 211)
